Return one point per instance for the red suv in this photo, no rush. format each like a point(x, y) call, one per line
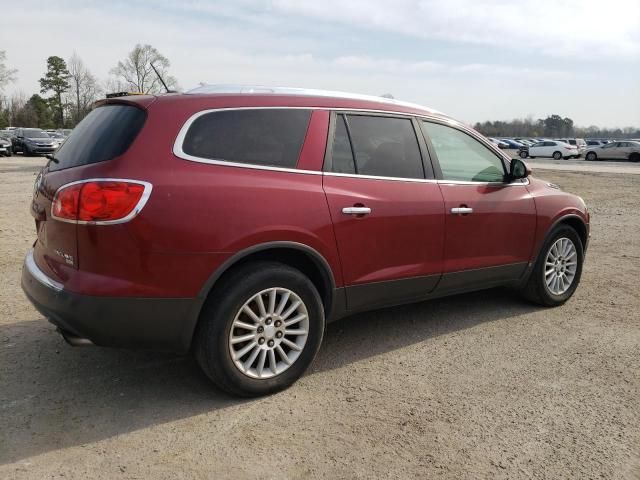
point(237, 223)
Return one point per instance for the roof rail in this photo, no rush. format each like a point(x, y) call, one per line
point(265, 90)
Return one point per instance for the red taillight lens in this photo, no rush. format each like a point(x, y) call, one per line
point(98, 200)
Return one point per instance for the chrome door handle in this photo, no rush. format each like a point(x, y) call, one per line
point(461, 210)
point(356, 210)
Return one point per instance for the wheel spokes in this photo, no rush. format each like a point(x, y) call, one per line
point(269, 333)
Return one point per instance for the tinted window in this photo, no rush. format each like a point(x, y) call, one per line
point(260, 137)
point(462, 157)
point(385, 147)
point(105, 133)
point(341, 156)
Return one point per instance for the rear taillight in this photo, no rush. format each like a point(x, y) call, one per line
point(100, 201)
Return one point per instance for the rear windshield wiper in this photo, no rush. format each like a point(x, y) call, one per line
point(52, 158)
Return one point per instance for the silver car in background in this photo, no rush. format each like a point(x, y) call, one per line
point(619, 150)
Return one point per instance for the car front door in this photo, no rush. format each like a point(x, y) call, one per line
point(490, 223)
point(609, 151)
point(386, 208)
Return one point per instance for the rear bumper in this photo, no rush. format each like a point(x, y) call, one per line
point(155, 323)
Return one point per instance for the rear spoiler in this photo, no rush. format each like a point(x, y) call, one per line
point(134, 99)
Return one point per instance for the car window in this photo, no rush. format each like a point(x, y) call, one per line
point(462, 157)
point(550, 144)
point(105, 133)
point(342, 156)
point(270, 137)
point(385, 146)
point(609, 145)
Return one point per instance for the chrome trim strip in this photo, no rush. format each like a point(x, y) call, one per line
point(375, 177)
point(136, 210)
point(30, 264)
point(180, 153)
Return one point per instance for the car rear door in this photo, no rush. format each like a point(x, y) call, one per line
point(387, 210)
point(490, 223)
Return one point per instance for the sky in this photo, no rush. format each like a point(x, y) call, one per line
point(472, 59)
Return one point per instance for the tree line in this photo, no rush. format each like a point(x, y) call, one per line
point(68, 89)
point(554, 126)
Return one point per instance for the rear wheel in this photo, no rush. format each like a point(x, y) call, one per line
point(591, 156)
point(558, 269)
point(261, 330)
point(557, 155)
point(635, 157)
point(523, 154)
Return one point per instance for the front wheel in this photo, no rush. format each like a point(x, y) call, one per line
point(523, 154)
point(260, 331)
point(558, 269)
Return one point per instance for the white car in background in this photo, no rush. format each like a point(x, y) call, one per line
point(553, 149)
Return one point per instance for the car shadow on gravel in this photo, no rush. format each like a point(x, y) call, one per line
point(53, 396)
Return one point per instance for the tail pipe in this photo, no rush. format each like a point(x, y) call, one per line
point(74, 340)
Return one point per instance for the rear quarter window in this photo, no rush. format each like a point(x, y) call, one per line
point(106, 133)
point(266, 137)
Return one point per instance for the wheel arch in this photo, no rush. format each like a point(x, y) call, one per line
point(297, 255)
point(574, 221)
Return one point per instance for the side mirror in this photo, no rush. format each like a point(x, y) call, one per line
point(19, 136)
point(518, 169)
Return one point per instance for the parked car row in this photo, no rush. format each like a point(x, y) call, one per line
point(31, 141)
point(565, 148)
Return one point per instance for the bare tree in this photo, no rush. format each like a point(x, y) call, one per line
point(84, 88)
point(7, 75)
point(137, 74)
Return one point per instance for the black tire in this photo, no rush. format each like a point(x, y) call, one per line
point(634, 157)
point(536, 289)
point(8, 154)
point(557, 155)
point(211, 343)
point(591, 156)
point(523, 154)
point(25, 151)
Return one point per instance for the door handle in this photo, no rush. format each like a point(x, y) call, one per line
point(461, 210)
point(356, 210)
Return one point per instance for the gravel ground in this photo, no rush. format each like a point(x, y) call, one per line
point(476, 386)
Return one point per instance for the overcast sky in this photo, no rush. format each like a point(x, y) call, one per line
point(473, 59)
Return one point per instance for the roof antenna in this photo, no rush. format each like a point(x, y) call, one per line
point(160, 77)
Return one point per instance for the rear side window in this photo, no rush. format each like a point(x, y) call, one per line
point(270, 137)
point(382, 146)
point(105, 133)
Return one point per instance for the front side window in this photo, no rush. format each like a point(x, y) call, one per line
point(382, 146)
point(269, 137)
point(462, 157)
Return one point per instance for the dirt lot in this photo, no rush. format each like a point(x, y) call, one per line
point(476, 386)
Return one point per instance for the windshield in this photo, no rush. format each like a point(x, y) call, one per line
point(34, 133)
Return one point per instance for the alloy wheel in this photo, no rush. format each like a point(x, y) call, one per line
point(269, 333)
point(561, 266)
